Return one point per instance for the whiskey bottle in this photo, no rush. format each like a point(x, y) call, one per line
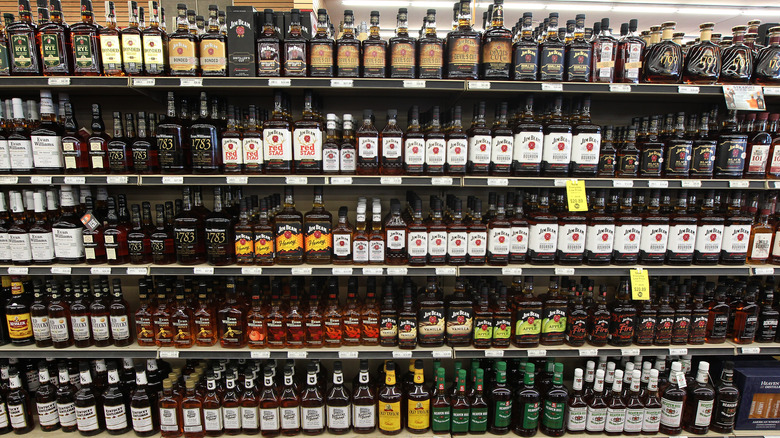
point(46, 400)
point(294, 48)
point(519, 232)
point(496, 46)
point(630, 55)
point(131, 46)
point(724, 411)
point(616, 409)
point(480, 143)
point(189, 234)
point(628, 156)
point(330, 147)
point(586, 142)
point(277, 140)
point(231, 409)
point(181, 320)
point(628, 232)
point(141, 402)
point(65, 397)
point(463, 47)
point(552, 53)
point(170, 411)
point(703, 59)
point(499, 234)
point(709, 233)
point(440, 405)
point(542, 232)
point(289, 404)
point(554, 407)
point(18, 402)
point(731, 151)
point(173, 140)
point(703, 152)
point(367, 146)
point(87, 404)
point(110, 50)
point(664, 60)
point(746, 313)
point(85, 45)
point(414, 144)
point(699, 403)
point(604, 54)
point(269, 47)
point(206, 156)
point(403, 54)
point(677, 163)
point(737, 59)
point(557, 148)
point(114, 404)
point(554, 312)
point(478, 415)
point(765, 70)
point(348, 49)
point(219, 236)
point(321, 48)
point(623, 317)
point(528, 141)
point(430, 56)
point(288, 229)
point(374, 51)
point(600, 232)
point(651, 151)
point(390, 143)
point(435, 145)
point(430, 322)
point(338, 402)
point(312, 404)
point(525, 419)
point(460, 406)
point(230, 319)
point(23, 48)
point(528, 315)
point(759, 143)
point(655, 233)
point(577, 408)
point(248, 404)
point(502, 143)
point(483, 320)
point(183, 47)
point(578, 53)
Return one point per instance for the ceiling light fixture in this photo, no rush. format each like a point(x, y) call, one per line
point(398, 3)
point(645, 9)
point(577, 7)
point(432, 4)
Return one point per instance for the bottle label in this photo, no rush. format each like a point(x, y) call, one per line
point(40, 326)
point(360, 251)
point(503, 150)
point(60, 330)
point(407, 329)
point(321, 58)
point(726, 413)
point(651, 159)
point(388, 328)
point(496, 55)
point(342, 245)
point(678, 158)
point(480, 147)
point(142, 419)
point(116, 417)
point(615, 420)
point(682, 239)
point(232, 153)
point(483, 328)
point(231, 418)
point(415, 151)
point(86, 418)
point(774, 163)
point(431, 324)
point(363, 416)
point(502, 328)
point(21, 154)
point(571, 239)
point(552, 63)
point(338, 417)
point(20, 247)
point(703, 158)
point(47, 151)
point(478, 419)
point(249, 417)
point(440, 419)
point(318, 240)
point(554, 320)
point(477, 244)
point(531, 415)
point(435, 152)
point(307, 144)
point(731, 156)
point(578, 65)
point(654, 238)
point(419, 414)
point(498, 241)
point(552, 418)
point(330, 158)
point(169, 421)
point(181, 55)
point(391, 147)
point(65, 411)
point(736, 239)
point(704, 413)
point(21, 51)
point(367, 147)
point(437, 245)
point(585, 149)
point(252, 148)
point(597, 418)
point(212, 419)
point(518, 242)
point(526, 60)
point(599, 239)
point(709, 239)
point(633, 63)
point(543, 238)
point(529, 325)
point(757, 159)
point(557, 148)
point(627, 238)
point(290, 418)
point(131, 49)
point(111, 52)
point(313, 418)
point(277, 144)
point(627, 163)
point(191, 420)
point(457, 244)
point(289, 239)
point(396, 239)
point(389, 416)
point(577, 419)
point(460, 420)
point(5, 156)
point(671, 412)
point(374, 59)
point(762, 243)
point(100, 329)
point(47, 413)
point(80, 327)
point(212, 55)
point(651, 420)
point(634, 419)
point(18, 416)
point(464, 55)
point(19, 326)
point(431, 58)
point(457, 152)
point(528, 147)
point(82, 47)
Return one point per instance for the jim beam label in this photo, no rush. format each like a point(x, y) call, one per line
point(111, 51)
point(132, 49)
point(307, 145)
point(22, 55)
point(277, 144)
point(82, 47)
point(212, 56)
point(153, 51)
point(182, 55)
point(402, 59)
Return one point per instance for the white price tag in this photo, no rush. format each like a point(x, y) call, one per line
point(18, 270)
point(9, 179)
point(260, 354)
point(402, 355)
point(441, 181)
point(564, 271)
point(511, 271)
point(143, 82)
point(494, 353)
point(61, 270)
point(479, 85)
point(297, 354)
point(397, 271)
point(560, 182)
point(589, 352)
point(661, 184)
point(173, 180)
point(169, 354)
point(678, 351)
point(777, 184)
point(537, 353)
point(446, 270)
point(739, 183)
point(372, 271)
point(750, 350)
point(409, 83)
point(191, 82)
point(203, 270)
point(75, 180)
point(390, 180)
point(348, 354)
point(622, 183)
point(498, 181)
point(296, 179)
point(342, 271)
point(116, 180)
point(279, 82)
point(137, 271)
point(341, 180)
point(690, 183)
point(552, 86)
point(251, 271)
point(629, 352)
point(40, 180)
point(59, 81)
point(619, 88)
point(442, 353)
point(341, 83)
point(236, 179)
point(764, 271)
point(300, 271)
point(771, 91)
point(100, 271)
point(685, 89)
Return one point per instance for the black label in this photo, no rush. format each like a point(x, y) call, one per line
point(627, 164)
point(526, 60)
point(703, 158)
point(678, 158)
point(578, 65)
point(650, 159)
point(552, 64)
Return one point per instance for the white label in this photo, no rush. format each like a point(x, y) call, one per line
point(342, 245)
point(376, 251)
point(477, 243)
point(480, 147)
point(498, 181)
point(543, 238)
point(360, 252)
point(47, 413)
point(447, 270)
point(704, 413)
point(168, 419)
point(18, 417)
point(557, 148)
point(571, 238)
point(47, 151)
point(75, 179)
point(232, 152)
point(372, 271)
point(338, 417)
point(437, 243)
point(599, 238)
point(348, 354)
point(771, 91)
point(402, 354)
point(596, 419)
point(100, 271)
point(59, 81)
point(736, 238)
point(100, 328)
point(368, 147)
point(191, 420)
point(442, 353)
point(120, 328)
point(479, 85)
point(297, 354)
point(417, 244)
point(435, 152)
point(651, 420)
point(441, 181)
point(44, 180)
point(116, 417)
point(690, 183)
point(415, 151)
point(629, 352)
point(709, 238)
point(279, 82)
point(249, 417)
point(634, 419)
point(678, 351)
point(564, 271)
point(341, 83)
point(396, 239)
point(457, 152)
point(671, 412)
point(684, 89)
point(143, 82)
point(585, 148)
point(61, 270)
point(615, 420)
point(142, 419)
point(231, 418)
point(269, 419)
point(682, 239)
point(619, 88)
point(750, 350)
point(742, 184)
point(537, 353)
point(627, 238)
point(173, 180)
point(622, 183)
point(252, 148)
point(511, 271)
point(547, 86)
point(391, 147)
point(363, 416)
point(20, 248)
point(40, 326)
point(203, 270)
point(589, 352)
point(137, 271)
point(277, 144)
point(390, 180)
point(498, 240)
point(503, 149)
point(7, 180)
point(457, 243)
point(312, 418)
point(59, 329)
point(654, 238)
point(528, 147)
point(212, 419)
point(577, 419)
point(291, 418)
point(86, 418)
point(494, 353)
point(116, 180)
point(42, 246)
point(341, 271)
point(413, 84)
point(5, 164)
point(307, 144)
point(762, 243)
point(66, 412)
point(21, 154)
point(341, 180)
point(658, 184)
point(191, 82)
point(169, 354)
point(18, 270)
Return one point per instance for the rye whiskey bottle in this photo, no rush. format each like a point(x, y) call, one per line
point(463, 46)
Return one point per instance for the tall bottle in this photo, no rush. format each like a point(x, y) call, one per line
point(552, 56)
point(463, 46)
point(555, 400)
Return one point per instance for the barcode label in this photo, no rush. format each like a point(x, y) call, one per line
point(348, 354)
point(479, 85)
point(441, 181)
point(396, 271)
point(372, 271)
point(191, 82)
point(342, 271)
point(446, 271)
point(279, 82)
point(629, 352)
point(203, 270)
point(9, 179)
point(100, 271)
point(297, 354)
point(169, 354)
point(296, 180)
point(413, 84)
point(494, 353)
point(589, 352)
point(143, 82)
point(552, 87)
point(659, 184)
point(260, 354)
point(61, 270)
point(739, 183)
point(173, 180)
point(619, 88)
point(564, 271)
point(402, 354)
point(622, 183)
point(511, 271)
point(252, 271)
point(390, 180)
point(684, 89)
point(59, 81)
point(341, 180)
point(236, 179)
point(18, 270)
point(40, 180)
point(137, 271)
point(690, 183)
point(537, 353)
point(116, 180)
point(442, 353)
point(498, 181)
point(678, 351)
point(341, 83)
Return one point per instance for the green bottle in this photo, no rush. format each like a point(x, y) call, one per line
point(555, 400)
point(440, 405)
point(479, 407)
point(461, 407)
point(501, 397)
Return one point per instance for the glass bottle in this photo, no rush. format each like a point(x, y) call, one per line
point(18, 402)
point(726, 401)
point(577, 408)
point(552, 53)
point(182, 47)
point(269, 58)
point(663, 61)
point(746, 317)
point(702, 61)
point(460, 406)
point(85, 45)
point(24, 55)
point(630, 55)
point(557, 148)
point(294, 47)
point(131, 46)
point(277, 140)
point(699, 403)
point(605, 47)
point(249, 403)
point(374, 51)
point(554, 405)
point(141, 402)
point(231, 408)
point(321, 48)
point(578, 54)
point(528, 399)
point(737, 59)
point(312, 404)
point(338, 400)
point(463, 47)
point(766, 69)
point(289, 405)
point(289, 232)
point(170, 413)
point(431, 50)
point(348, 49)
point(206, 156)
point(623, 320)
point(496, 46)
point(172, 138)
point(230, 319)
point(88, 405)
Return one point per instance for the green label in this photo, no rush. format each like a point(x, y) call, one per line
point(531, 415)
point(51, 50)
point(555, 323)
point(21, 45)
point(82, 46)
point(529, 324)
point(460, 420)
point(3, 60)
point(553, 414)
point(503, 413)
point(502, 329)
point(483, 328)
point(441, 419)
point(478, 421)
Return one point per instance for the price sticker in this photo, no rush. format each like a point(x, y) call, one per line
point(564, 271)
point(619, 88)
point(629, 352)
point(498, 182)
point(372, 271)
point(624, 183)
point(640, 284)
point(300, 271)
point(589, 352)
point(59, 81)
point(771, 91)
point(413, 84)
point(143, 82)
point(236, 179)
point(443, 354)
point(681, 382)
point(75, 180)
point(116, 180)
point(137, 271)
point(341, 83)
point(690, 183)
point(191, 82)
point(685, 89)
point(173, 180)
point(446, 270)
point(678, 351)
point(764, 271)
point(575, 193)
point(390, 180)
point(297, 354)
point(341, 180)
point(479, 85)
point(661, 184)
point(777, 184)
point(100, 271)
point(18, 270)
point(537, 353)
point(342, 271)
point(402, 355)
point(750, 350)
point(9, 179)
point(494, 353)
point(296, 180)
point(441, 181)
point(252, 271)
point(169, 354)
point(552, 87)
point(260, 354)
point(560, 182)
point(511, 271)
point(739, 183)
point(348, 354)
point(61, 270)
point(40, 180)
point(397, 271)
point(203, 270)
point(279, 82)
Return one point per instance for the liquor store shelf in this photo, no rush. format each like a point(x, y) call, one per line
point(371, 352)
point(350, 270)
point(405, 181)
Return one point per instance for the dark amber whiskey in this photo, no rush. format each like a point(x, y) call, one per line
point(496, 46)
point(322, 49)
point(374, 53)
point(664, 60)
point(463, 47)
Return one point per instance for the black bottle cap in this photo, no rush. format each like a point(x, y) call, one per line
point(605, 23)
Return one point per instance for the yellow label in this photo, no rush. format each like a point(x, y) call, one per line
point(575, 192)
point(182, 55)
point(419, 414)
point(153, 50)
point(321, 55)
point(293, 242)
point(374, 56)
point(319, 241)
point(131, 49)
point(110, 50)
point(640, 285)
point(19, 326)
point(402, 55)
point(465, 51)
point(264, 245)
point(212, 55)
point(389, 416)
point(497, 52)
point(348, 57)
point(431, 56)
point(244, 246)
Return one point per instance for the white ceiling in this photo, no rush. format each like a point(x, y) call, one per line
point(724, 13)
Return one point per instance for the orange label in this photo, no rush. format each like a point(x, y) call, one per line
point(212, 55)
point(431, 56)
point(182, 55)
point(348, 57)
point(289, 242)
point(497, 51)
point(318, 239)
point(264, 245)
point(374, 57)
point(321, 55)
point(19, 326)
point(244, 245)
point(402, 55)
point(464, 51)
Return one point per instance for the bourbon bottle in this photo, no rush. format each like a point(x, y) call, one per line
point(737, 59)
point(664, 61)
point(702, 61)
point(463, 46)
point(623, 319)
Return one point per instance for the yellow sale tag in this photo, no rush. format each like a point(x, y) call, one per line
point(640, 285)
point(575, 192)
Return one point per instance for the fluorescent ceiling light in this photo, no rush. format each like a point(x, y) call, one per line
point(577, 7)
point(374, 2)
point(708, 11)
point(761, 12)
point(524, 6)
point(644, 9)
point(432, 4)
